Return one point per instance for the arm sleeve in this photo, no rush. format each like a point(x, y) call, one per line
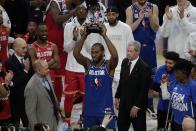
point(188, 26)
point(165, 28)
point(20, 77)
point(69, 43)
point(145, 82)
point(129, 35)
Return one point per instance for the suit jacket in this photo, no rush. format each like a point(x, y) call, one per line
point(133, 88)
point(19, 80)
point(38, 104)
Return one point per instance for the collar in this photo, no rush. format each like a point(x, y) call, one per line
point(18, 57)
point(133, 62)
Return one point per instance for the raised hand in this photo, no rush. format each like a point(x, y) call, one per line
point(141, 14)
point(164, 78)
point(8, 77)
point(168, 12)
point(75, 33)
point(149, 12)
point(103, 29)
point(27, 64)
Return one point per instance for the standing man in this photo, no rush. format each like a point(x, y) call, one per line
point(164, 71)
point(45, 50)
point(120, 34)
point(40, 101)
point(132, 92)
point(22, 73)
point(74, 76)
point(178, 22)
point(142, 16)
point(30, 36)
point(98, 79)
point(181, 94)
point(54, 21)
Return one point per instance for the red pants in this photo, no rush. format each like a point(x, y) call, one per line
point(58, 84)
point(75, 84)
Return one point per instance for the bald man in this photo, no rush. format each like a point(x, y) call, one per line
point(40, 100)
point(20, 66)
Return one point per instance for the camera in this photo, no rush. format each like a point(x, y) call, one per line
point(93, 28)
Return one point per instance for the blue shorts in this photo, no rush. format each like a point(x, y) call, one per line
point(90, 121)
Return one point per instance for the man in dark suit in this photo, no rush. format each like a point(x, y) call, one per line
point(132, 92)
point(21, 69)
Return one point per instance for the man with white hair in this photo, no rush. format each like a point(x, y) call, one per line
point(20, 66)
point(132, 102)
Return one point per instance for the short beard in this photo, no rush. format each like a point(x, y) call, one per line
point(113, 24)
point(142, 4)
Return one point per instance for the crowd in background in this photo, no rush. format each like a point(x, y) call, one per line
point(102, 54)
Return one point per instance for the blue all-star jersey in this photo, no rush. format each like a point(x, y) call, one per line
point(181, 97)
point(163, 104)
point(98, 92)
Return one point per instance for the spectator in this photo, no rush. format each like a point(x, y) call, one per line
point(142, 17)
point(6, 20)
point(46, 50)
point(163, 71)
point(5, 109)
point(132, 102)
point(122, 6)
point(54, 20)
point(20, 66)
point(120, 34)
point(3, 41)
point(40, 101)
point(74, 76)
point(30, 36)
point(98, 79)
point(178, 22)
point(181, 93)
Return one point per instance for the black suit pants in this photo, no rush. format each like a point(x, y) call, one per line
point(124, 121)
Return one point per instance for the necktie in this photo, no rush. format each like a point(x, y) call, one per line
point(22, 61)
point(46, 84)
point(51, 94)
point(128, 69)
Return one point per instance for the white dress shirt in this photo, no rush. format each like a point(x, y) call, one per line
point(177, 30)
point(133, 64)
